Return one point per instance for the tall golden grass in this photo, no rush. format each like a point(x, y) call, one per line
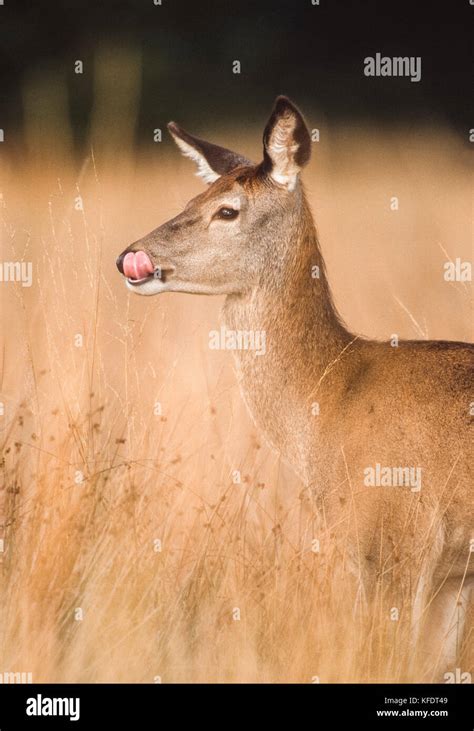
point(130, 553)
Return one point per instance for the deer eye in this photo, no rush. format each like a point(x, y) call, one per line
point(226, 214)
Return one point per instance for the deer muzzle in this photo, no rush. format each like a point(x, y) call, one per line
point(136, 265)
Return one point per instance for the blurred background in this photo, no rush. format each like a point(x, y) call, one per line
point(119, 427)
point(177, 58)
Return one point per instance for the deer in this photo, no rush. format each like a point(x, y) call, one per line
point(386, 455)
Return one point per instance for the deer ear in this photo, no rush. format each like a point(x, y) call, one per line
point(212, 160)
point(286, 143)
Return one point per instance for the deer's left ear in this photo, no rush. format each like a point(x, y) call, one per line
point(212, 160)
point(286, 143)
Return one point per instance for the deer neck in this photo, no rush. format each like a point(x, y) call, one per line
point(298, 337)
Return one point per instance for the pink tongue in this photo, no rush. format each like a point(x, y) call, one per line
point(137, 265)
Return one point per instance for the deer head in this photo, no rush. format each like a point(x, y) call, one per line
point(221, 242)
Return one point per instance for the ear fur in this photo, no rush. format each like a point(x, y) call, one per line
point(286, 143)
point(212, 161)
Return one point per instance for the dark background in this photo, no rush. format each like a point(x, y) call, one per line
point(312, 53)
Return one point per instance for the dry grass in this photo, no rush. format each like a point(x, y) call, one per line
point(91, 545)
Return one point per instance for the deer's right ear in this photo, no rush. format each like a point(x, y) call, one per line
point(212, 160)
point(286, 143)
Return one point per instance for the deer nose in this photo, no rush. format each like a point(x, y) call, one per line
point(135, 264)
point(119, 262)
